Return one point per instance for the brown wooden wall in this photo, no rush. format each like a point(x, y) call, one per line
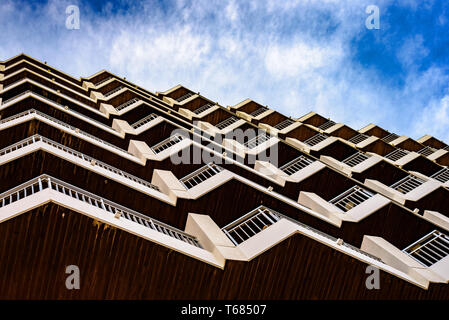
point(36, 247)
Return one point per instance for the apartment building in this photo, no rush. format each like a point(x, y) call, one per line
point(170, 195)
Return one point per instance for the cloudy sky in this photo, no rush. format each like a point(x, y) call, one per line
point(294, 56)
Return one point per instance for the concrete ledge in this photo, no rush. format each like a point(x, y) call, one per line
point(122, 126)
point(334, 163)
point(95, 95)
point(298, 144)
point(140, 149)
point(318, 204)
point(244, 116)
point(108, 109)
point(88, 85)
point(367, 128)
point(334, 128)
point(437, 154)
point(437, 218)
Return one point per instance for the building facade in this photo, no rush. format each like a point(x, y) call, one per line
point(170, 195)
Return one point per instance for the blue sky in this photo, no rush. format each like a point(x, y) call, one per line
point(294, 56)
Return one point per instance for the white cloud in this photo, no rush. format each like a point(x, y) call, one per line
point(292, 55)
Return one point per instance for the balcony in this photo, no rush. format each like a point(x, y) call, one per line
point(312, 141)
point(127, 104)
point(295, 165)
point(256, 141)
point(184, 97)
point(44, 182)
point(167, 143)
point(203, 108)
point(103, 81)
point(442, 175)
point(63, 124)
point(427, 151)
point(262, 218)
point(226, 123)
point(397, 154)
point(284, 124)
point(351, 198)
point(258, 112)
point(390, 137)
point(202, 174)
point(328, 124)
point(429, 249)
point(145, 120)
point(113, 91)
point(356, 159)
point(358, 138)
point(407, 184)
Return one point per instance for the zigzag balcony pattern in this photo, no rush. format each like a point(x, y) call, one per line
point(46, 182)
point(94, 162)
point(56, 121)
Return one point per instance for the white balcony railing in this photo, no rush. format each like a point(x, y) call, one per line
point(442, 175)
point(46, 182)
point(358, 138)
point(407, 184)
point(256, 141)
point(184, 97)
point(427, 151)
point(261, 218)
point(167, 143)
point(356, 159)
point(226, 123)
point(38, 138)
point(390, 137)
point(110, 93)
point(56, 121)
point(429, 249)
point(326, 125)
point(103, 81)
point(397, 154)
point(351, 198)
point(202, 108)
point(295, 165)
point(127, 104)
point(202, 174)
point(284, 124)
point(312, 141)
point(147, 119)
point(258, 111)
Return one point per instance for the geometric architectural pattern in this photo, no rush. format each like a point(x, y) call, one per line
point(171, 195)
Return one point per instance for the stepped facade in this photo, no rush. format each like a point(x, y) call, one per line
point(170, 195)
